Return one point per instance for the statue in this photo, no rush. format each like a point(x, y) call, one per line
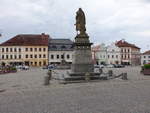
point(80, 21)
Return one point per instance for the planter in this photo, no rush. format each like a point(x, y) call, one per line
point(146, 71)
point(13, 71)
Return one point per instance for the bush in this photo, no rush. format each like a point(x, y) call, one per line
point(13, 68)
point(147, 66)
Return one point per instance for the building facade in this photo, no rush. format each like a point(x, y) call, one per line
point(130, 54)
point(102, 54)
point(145, 58)
point(113, 54)
point(99, 54)
point(26, 49)
point(60, 50)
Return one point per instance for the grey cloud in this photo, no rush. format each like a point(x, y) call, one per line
point(107, 21)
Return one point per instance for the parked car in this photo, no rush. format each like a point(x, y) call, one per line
point(45, 67)
point(110, 66)
point(19, 67)
point(25, 67)
point(118, 66)
point(51, 67)
point(101, 66)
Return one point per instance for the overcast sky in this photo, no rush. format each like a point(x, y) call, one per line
point(107, 20)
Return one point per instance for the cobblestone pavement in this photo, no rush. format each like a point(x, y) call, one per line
point(24, 92)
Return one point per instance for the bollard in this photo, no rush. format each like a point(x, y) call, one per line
point(100, 71)
point(124, 76)
point(49, 74)
point(110, 73)
point(87, 76)
point(46, 80)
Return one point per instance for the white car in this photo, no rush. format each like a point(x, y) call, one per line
point(25, 67)
point(110, 66)
point(101, 66)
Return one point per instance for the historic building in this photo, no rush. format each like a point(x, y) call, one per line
point(99, 54)
point(103, 54)
point(60, 50)
point(28, 49)
point(130, 53)
point(145, 58)
point(113, 54)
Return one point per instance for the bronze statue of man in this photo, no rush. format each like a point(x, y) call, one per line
point(80, 21)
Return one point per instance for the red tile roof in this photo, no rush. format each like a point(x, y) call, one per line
point(27, 40)
point(96, 48)
point(146, 53)
point(123, 43)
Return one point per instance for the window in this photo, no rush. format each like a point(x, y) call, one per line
point(39, 49)
point(40, 63)
point(125, 50)
point(108, 56)
point(15, 57)
point(35, 49)
point(35, 63)
point(11, 57)
point(26, 56)
point(52, 56)
point(53, 46)
point(15, 49)
point(144, 56)
point(128, 56)
point(26, 49)
point(62, 56)
point(116, 56)
point(6, 56)
point(2, 49)
point(2, 56)
point(30, 56)
point(68, 56)
point(10, 49)
point(63, 47)
point(44, 56)
point(39, 55)
point(128, 50)
point(6, 49)
point(31, 49)
point(44, 49)
point(19, 49)
point(121, 50)
point(112, 56)
point(148, 56)
point(35, 56)
point(57, 56)
point(19, 56)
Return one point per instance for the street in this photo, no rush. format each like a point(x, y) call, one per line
point(24, 92)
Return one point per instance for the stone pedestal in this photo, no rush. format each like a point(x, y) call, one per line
point(82, 56)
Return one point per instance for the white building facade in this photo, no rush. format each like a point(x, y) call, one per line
point(145, 58)
point(113, 54)
point(60, 50)
point(107, 54)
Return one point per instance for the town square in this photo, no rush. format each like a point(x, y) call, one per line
point(77, 60)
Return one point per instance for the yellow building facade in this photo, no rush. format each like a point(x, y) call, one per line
point(19, 51)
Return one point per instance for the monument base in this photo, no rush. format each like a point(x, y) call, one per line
point(81, 77)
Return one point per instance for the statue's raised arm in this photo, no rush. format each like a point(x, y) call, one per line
point(80, 22)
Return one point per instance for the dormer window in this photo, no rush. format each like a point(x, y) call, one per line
point(53, 46)
point(63, 47)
